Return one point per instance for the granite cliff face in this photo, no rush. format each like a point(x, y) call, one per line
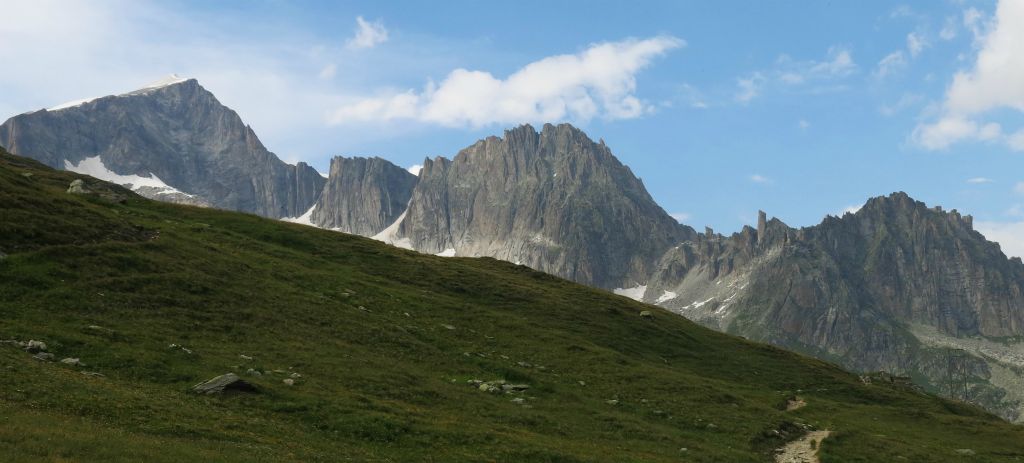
point(171, 141)
point(553, 200)
point(896, 286)
point(363, 195)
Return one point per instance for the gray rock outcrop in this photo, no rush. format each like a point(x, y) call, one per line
point(222, 383)
point(77, 187)
point(895, 287)
point(553, 200)
point(363, 195)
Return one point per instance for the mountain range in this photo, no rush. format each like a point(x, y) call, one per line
point(897, 286)
point(136, 330)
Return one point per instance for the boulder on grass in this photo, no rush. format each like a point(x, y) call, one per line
point(224, 383)
point(77, 187)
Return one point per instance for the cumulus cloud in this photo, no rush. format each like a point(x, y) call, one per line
point(758, 178)
point(597, 82)
point(1018, 188)
point(979, 180)
point(368, 34)
point(415, 170)
point(802, 124)
point(1009, 235)
point(993, 83)
point(996, 78)
point(951, 129)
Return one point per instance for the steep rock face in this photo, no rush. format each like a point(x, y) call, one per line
point(553, 200)
point(174, 137)
point(363, 195)
point(896, 286)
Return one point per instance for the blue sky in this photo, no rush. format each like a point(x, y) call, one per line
point(799, 108)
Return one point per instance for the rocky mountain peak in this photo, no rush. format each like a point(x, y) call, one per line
point(170, 139)
point(363, 195)
point(553, 200)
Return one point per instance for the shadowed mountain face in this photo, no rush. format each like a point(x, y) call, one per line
point(363, 195)
point(554, 200)
point(171, 141)
point(896, 286)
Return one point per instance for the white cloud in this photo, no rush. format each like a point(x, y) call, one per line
point(949, 29)
point(1009, 235)
point(951, 129)
point(999, 70)
point(838, 63)
point(850, 209)
point(802, 124)
point(916, 43)
point(749, 87)
point(906, 100)
point(328, 72)
point(979, 180)
point(901, 11)
point(974, 21)
point(891, 63)
point(691, 96)
point(597, 82)
point(758, 178)
point(994, 83)
point(368, 34)
point(1016, 140)
point(415, 170)
point(1018, 188)
point(680, 216)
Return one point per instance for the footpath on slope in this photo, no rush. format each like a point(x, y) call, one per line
point(802, 450)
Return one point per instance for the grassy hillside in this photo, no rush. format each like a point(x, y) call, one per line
point(381, 343)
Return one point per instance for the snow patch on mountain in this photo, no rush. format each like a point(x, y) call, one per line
point(72, 104)
point(304, 219)
point(699, 304)
point(165, 82)
point(94, 166)
point(636, 293)
point(666, 296)
point(388, 235)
